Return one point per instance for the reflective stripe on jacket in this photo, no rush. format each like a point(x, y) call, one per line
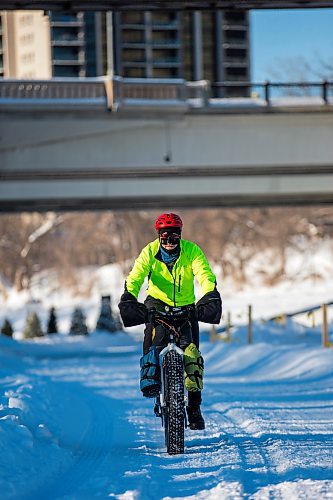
point(174, 288)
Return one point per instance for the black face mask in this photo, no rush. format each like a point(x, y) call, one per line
point(169, 237)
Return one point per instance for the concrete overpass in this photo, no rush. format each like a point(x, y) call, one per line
point(67, 154)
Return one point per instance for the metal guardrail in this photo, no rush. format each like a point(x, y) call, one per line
point(119, 93)
point(269, 90)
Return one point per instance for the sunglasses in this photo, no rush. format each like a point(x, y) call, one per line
point(170, 238)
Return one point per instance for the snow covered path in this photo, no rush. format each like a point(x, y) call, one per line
point(73, 424)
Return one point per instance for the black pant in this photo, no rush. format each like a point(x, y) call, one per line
point(158, 337)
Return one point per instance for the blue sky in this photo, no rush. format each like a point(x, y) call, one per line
point(277, 35)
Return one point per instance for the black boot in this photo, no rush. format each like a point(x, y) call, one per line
point(195, 418)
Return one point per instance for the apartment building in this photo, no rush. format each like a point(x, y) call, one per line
point(191, 45)
point(67, 38)
point(38, 45)
point(211, 45)
point(24, 45)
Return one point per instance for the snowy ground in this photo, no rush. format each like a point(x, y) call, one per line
point(73, 424)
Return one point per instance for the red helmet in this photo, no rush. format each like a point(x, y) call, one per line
point(168, 220)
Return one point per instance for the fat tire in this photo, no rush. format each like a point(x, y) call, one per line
point(174, 414)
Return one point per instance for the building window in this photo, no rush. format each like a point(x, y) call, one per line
point(67, 71)
point(68, 34)
point(26, 20)
point(133, 55)
point(165, 73)
point(28, 58)
point(29, 74)
point(163, 18)
point(132, 36)
point(161, 55)
point(62, 17)
point(134, 73)
point(236, 73)
point(132, 17)
point(164, 37)
point(66, 54)
point(27, 39)
point(235, 54)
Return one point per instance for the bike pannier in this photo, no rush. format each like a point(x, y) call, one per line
point(194, 368)
point(150, 374)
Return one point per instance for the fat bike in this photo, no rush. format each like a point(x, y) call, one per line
point(170, 403)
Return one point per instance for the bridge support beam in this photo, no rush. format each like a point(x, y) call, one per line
point(60, 161)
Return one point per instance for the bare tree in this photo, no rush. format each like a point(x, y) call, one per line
point(301, 69)
point(230, 237)
point(19, 244)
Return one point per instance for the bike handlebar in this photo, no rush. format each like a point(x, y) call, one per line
point(173, 313)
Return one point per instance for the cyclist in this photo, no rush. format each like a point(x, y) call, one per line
point(171, 264)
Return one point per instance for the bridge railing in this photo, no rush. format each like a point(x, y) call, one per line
point(58, 89)
point(140, 91)
point(204, 94)
point(120, 93)
point(270, 91)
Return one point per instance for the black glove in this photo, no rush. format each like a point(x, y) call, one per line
point(132, 312)
point(127, 296)
point(209, 308)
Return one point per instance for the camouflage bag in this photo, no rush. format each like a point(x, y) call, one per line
point(194, 368)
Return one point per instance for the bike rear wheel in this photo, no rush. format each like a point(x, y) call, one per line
point(174, 412)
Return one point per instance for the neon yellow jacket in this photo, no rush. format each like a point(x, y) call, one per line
point(176, 288)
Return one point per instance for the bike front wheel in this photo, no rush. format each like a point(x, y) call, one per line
point(174, 412)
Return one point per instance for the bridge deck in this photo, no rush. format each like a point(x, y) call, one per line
point(163, 145)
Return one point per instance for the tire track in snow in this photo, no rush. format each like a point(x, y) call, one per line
point(271, 453)
point(239, 449)
point(274, 444)
point(92, 454)
point(254, 459)
point(202, 466)
point(89, 453)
